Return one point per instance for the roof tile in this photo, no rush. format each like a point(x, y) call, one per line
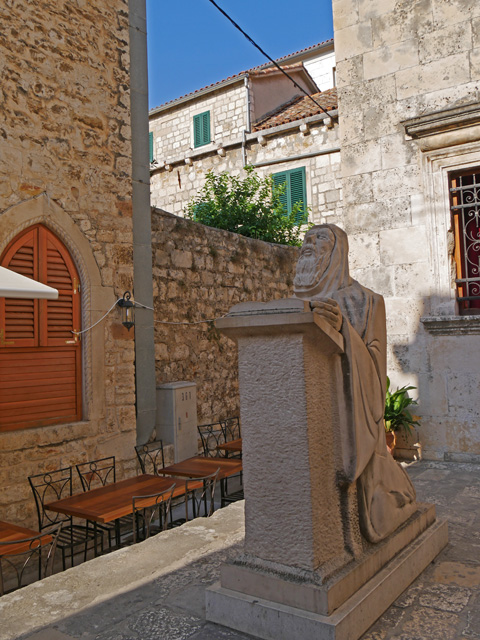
point(299, 108)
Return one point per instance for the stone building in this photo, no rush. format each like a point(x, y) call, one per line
point(67, 206)
point(408, 91)
point(257, 117)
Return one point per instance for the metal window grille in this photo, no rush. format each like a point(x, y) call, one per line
point(465, 208)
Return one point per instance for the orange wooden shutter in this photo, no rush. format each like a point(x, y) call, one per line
point(40, 358)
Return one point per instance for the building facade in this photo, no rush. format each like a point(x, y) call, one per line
point(66, 220)
point(407, 76)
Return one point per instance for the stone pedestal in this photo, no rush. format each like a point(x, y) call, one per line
point(306, 571)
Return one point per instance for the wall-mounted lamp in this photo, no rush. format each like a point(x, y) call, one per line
point(128, 310)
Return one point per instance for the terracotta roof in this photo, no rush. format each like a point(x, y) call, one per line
point(269, 70)
point(241, 74)
point(298, 108)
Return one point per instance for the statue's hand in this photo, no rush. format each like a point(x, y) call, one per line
point(328, 309)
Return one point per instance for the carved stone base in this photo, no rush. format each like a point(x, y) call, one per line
point(268, 616)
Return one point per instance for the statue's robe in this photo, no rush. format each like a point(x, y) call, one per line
point(386, 496)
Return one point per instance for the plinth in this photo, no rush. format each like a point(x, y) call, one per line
point(306, 571)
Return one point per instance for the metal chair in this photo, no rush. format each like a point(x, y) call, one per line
point(200, 494)
point(231, 428)
point(99, 473)
point(212, 435)
point(50, 487)
point(145, 516)
point(18, 556)
point(217, 433)
point(150, 456)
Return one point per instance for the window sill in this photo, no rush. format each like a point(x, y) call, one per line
point(452, 325)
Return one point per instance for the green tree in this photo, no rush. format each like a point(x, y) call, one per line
point(250, 206)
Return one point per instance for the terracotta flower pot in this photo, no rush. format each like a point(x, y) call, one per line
point(390, 438)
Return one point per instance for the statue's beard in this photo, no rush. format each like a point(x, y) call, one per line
point(310, 269)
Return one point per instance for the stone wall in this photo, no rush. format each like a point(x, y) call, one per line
point(65, 162)
point(398, 60)
point(199, 273)
point(172, 190)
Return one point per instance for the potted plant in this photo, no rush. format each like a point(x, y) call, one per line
point(397, 415)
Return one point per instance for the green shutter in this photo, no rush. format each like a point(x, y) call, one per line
point(150, 143)
point(298, 193)
point(295, 191)
point(201, 129)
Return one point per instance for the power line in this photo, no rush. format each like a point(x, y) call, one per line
point(271, 59)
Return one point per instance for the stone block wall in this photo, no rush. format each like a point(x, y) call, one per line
point(172, 190)
point(65, 162)
point(398, 60)
point(199, 273)
point(173, 129)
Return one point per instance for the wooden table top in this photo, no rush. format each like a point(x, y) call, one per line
point(198, 466)
point(233, 445)
point(105, 504)
point(12, 532)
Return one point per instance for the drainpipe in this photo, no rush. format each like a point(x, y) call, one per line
point(248, 124)
point(142, 227)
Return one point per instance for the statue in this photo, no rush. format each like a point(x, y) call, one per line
point(386, 497)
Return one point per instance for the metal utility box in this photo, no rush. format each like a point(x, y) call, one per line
point(177, 417)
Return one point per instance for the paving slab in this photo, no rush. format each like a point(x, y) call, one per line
point(155, 590)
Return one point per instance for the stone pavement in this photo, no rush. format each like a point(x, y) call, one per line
point(155, 590)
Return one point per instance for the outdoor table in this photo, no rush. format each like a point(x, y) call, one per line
point(198, 467)
point(114, 501)
point(232, 446)
point(12, 532)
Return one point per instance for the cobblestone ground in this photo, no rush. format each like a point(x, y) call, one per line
point(442, 604)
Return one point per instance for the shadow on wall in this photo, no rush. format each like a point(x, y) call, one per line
point(442, 361)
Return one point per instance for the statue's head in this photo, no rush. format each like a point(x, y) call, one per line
point(323, 262)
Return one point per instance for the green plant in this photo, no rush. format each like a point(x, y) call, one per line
point(251, 206)
point(397, 415)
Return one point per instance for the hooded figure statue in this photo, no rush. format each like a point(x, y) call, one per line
point(386, 497)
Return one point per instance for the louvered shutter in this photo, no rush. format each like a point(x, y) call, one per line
point(278, 180)
point(150, 146)
point(201, 129)
point(298, 193)
point(18, 317)
point(40, 376)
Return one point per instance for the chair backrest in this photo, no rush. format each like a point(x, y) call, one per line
point(150, 456)
point(212, 435)
point(231, 428)
point(147, 509)
point(50, 487)
point(26, 559)
point(200, 493)
point(97, 473)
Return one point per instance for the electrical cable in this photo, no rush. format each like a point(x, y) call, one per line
point(271, 59)
point(77, 333)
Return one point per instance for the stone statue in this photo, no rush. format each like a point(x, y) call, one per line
point(386, 497)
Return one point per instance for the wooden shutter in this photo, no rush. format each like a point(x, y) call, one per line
point(298, 192)
point(40, 358)
point(150, 146)
point(201, 129)
point(295, 191)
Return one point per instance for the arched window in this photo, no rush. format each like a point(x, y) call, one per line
point(40, 358)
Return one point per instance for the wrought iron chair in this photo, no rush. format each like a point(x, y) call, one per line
point(50, 487)
point(212, 435)
point(99, 473)
point(18, 556)
point(199, 495)
point(218, 433)
point(145, 516)
point(150, 456)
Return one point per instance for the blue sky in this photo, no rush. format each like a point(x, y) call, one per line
point(191, 44)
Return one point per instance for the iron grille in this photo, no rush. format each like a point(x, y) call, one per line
point(465, 207)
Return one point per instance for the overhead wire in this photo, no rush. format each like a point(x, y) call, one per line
point(274, 62)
